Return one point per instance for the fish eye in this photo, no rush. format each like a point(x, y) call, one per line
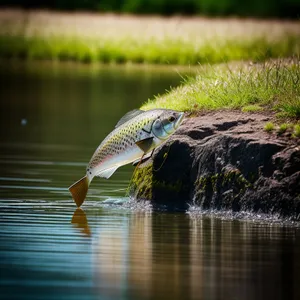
point(171, 119)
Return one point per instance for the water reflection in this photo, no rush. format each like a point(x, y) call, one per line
point(72, 104)
point(79, 220)
point(50, 251)
point(167, 256)
point(52, 118)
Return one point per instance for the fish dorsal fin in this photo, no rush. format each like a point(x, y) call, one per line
point(108, 172)
point(145, 145)
point(130, 115)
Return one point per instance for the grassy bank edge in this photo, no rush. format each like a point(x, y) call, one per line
point(272, 86)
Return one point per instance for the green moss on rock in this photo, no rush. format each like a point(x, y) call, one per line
point(141, 183)
point(222, 189)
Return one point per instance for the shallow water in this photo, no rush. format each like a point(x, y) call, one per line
point(52, 119)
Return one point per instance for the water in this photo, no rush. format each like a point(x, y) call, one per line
point(52, 119)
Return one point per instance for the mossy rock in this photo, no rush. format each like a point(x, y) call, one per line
point(221, 190)
point(144, 183)
point(141, 183)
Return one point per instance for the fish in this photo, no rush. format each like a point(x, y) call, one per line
point(135, 137)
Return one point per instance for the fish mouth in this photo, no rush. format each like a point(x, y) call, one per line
point(179, 120)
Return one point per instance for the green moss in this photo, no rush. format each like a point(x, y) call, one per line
point(141, 183)
point(229, 176)
point(214, 181)
point(144, 182)
point(236, 179)
point(222, 181)
point(243, 182)
point(201, 183)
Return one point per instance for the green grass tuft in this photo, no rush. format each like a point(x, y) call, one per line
point(251, 108)
point(296, 132)
point(290, 107)
point(269, 127)
point(283, 128)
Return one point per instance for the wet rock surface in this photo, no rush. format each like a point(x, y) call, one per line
point(225, 161)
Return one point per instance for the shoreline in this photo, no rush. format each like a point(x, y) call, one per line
point(223, 162)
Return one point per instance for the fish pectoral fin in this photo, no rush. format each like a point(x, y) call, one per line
point(143, 159)
point(108, 172)
point(145, 144)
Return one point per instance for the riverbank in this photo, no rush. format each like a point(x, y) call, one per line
point(154, 40)
point(238, 149)
point(224, 161)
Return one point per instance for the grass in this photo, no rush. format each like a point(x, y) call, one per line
point(269, 127)
point(273, 85)
point(283, 128)
point(167, 51)
point(251, 108)
point(296, 132)
point(154, 40)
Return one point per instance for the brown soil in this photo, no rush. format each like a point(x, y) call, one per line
point(241, 124)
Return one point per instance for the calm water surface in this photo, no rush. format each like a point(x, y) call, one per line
point(52, 119)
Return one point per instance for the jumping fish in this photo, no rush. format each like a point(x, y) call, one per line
point(134, 137)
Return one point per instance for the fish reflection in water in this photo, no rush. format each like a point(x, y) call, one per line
point(171, 256)
point(123, 258)
point(79, 219)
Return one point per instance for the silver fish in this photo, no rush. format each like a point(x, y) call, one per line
point(134, 137)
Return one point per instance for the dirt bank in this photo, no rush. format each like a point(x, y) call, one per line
point(225, 161)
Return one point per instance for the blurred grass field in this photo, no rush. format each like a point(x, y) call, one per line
point(108, 38)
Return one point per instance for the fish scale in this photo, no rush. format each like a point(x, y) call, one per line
point(135, 135)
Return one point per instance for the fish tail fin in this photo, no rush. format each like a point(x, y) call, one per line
point(79, 190)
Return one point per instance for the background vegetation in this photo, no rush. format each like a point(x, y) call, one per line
point(86, 37)
point(256, 8)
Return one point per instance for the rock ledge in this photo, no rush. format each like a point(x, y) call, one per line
point(224, 161)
